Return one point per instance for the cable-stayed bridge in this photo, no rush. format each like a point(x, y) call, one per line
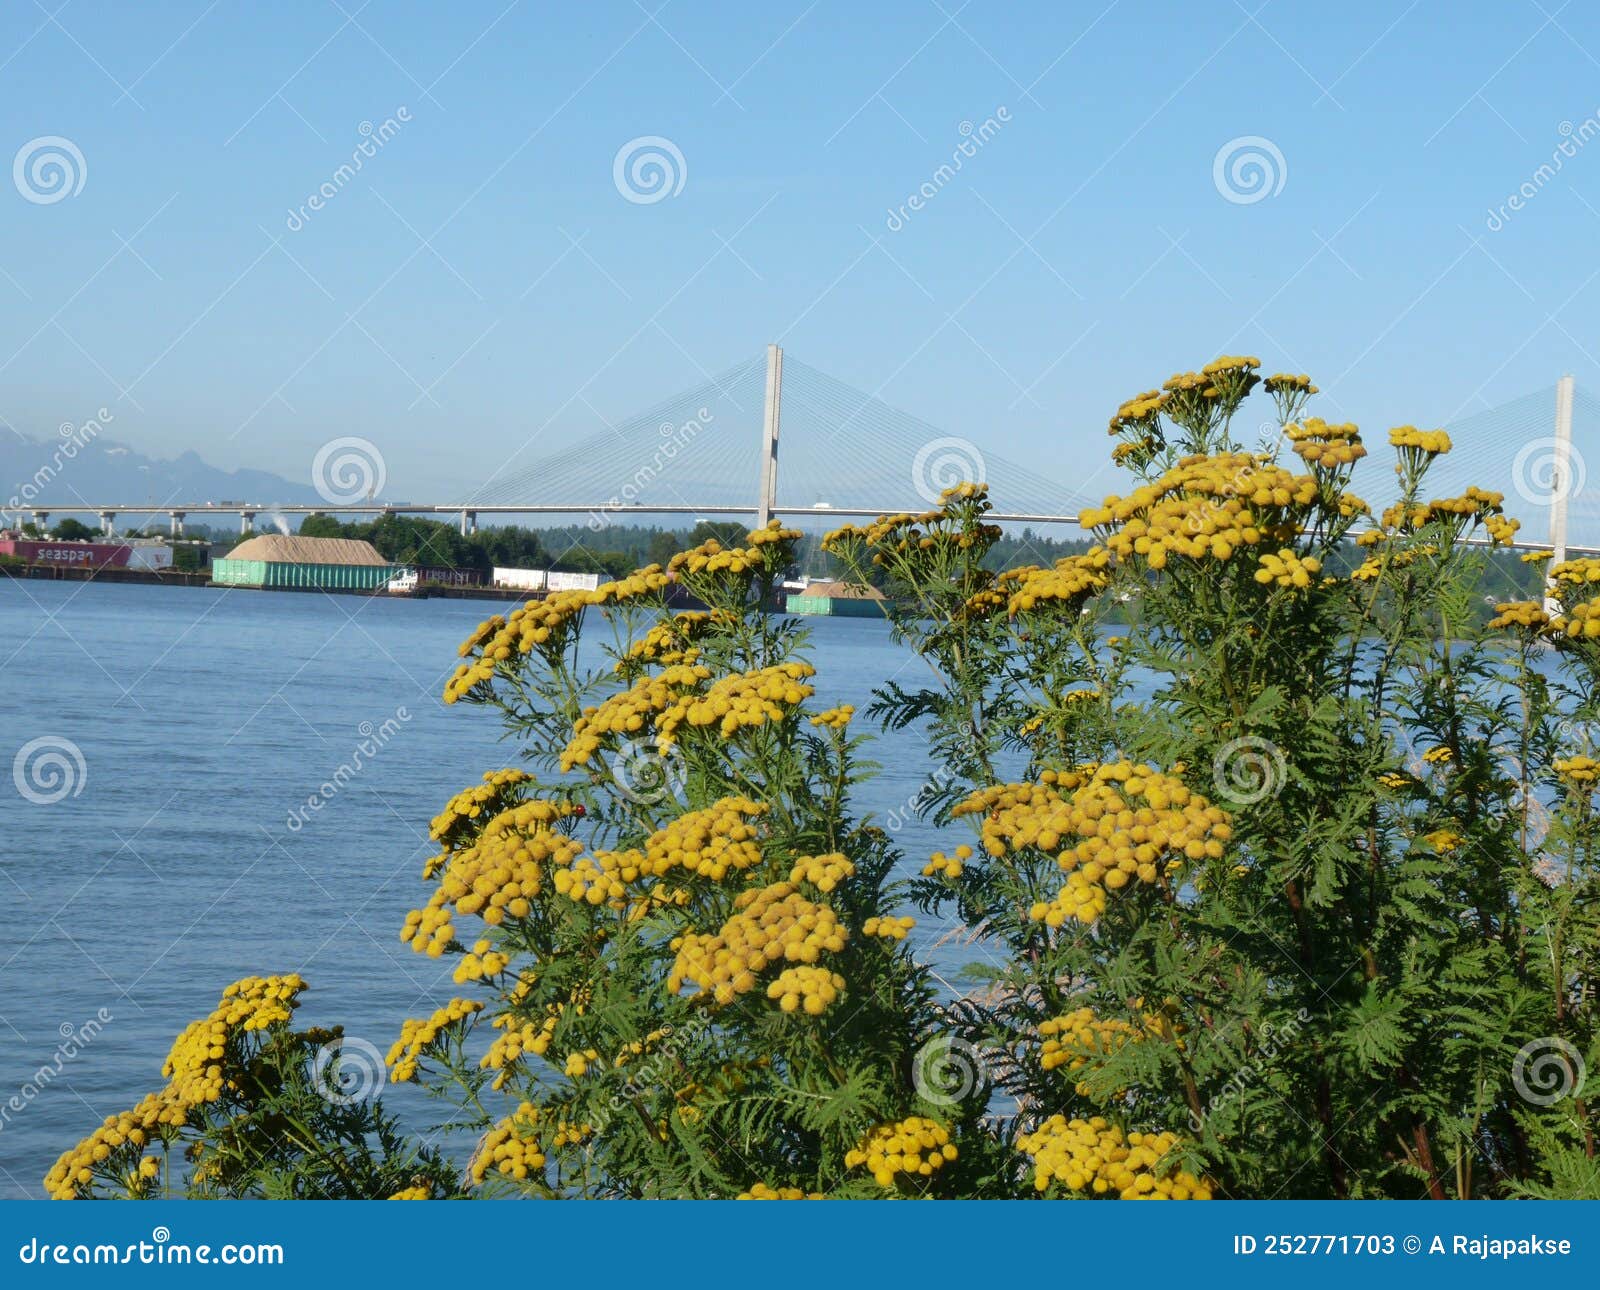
point(773, 436)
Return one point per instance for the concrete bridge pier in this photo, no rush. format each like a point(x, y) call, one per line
point(177, 518)
point(247, 522)
point(41, 518)
point(108, 522)
point(469, 523)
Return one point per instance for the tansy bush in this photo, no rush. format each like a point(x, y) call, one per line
point(1280, 852)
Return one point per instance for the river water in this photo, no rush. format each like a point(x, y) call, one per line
point(168, 868)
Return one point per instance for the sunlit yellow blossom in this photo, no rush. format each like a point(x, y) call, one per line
point(914, 1148)
point(1094, 1158)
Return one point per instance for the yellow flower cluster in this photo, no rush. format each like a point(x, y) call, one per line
point(712, 557)
point(469, 804)
point(947, 866)
point(416, 1035)
point(510, 1148)
point(1286, 569)
point(517, 1036)
point(1067, 585)
point(1328, 447)
point(630, 712)
point(916, 1147)
point(1444, 841)
point(775, 534)
point(1288, 382)
point(413, 1193)
point(834, 718)
point(743, 700)
point(545, 625)
point(822, 872)
point(1431, 443)
point(1526, 614)
point(1138, 413)
point(1573, 573)
point(1122, 822)
point(196, 1074)
point(708, 842)
point(501, 873)
point(891, 929)
point(760, 1191)
point(1094, 1156)
point(672, 641)
point(1205, 507)
point(806, 986)
point(75, 1169)
point(648, 581)
point(480, 962)
point(1078, 1037)
point(773, 925)
point(1580, 621)
point(1580, 770)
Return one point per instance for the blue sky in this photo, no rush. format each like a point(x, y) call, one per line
point(481, 287)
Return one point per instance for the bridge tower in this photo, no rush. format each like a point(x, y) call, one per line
point(767, 500)
point(1560, 481)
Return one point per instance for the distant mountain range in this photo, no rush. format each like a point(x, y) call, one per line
point(102, 472)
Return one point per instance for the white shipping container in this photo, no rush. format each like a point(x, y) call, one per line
point(559, 581)
point(520, 579)
point(151, 556)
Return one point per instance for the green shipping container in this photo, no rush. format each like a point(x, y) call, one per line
point(273, 573)
point(836, 606)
